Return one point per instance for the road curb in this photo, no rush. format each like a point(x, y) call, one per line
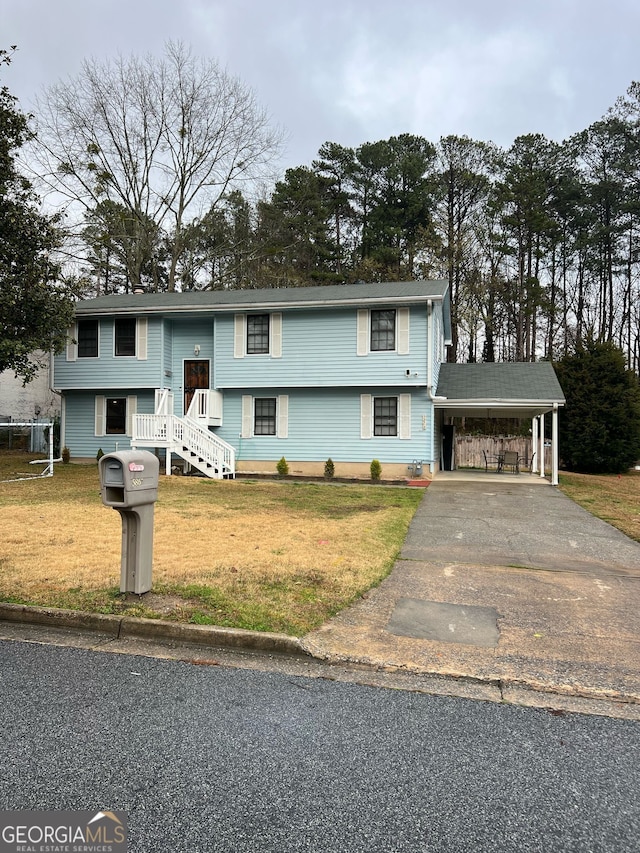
point(212, 636)
point(124, 627)
point(209, 635)
point(58, 618)
point(504, 685)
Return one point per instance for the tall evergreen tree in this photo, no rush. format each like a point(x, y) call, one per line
point(35, 308)
point(294, 236)
point(524, 198)
point(337, 164)
point(600, 424)
point(124, 248)
point(396, 189)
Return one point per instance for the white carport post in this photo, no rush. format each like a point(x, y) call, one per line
point(541, 445)
point(554, 446)
point(534, 444)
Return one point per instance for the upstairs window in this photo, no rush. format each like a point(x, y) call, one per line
point(125, 334)
point(87, 338)
point(383, 330)
point(257, 334)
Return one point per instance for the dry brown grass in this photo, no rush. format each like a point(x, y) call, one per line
point(613, 498)
point(267, 555)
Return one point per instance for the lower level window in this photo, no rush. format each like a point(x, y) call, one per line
point(264, 417)
point(385, 415)
point(116, 416)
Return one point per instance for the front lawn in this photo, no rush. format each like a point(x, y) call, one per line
point(614, 498)
point(265, 555)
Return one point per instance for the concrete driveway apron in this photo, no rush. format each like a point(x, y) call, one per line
point(509, 584)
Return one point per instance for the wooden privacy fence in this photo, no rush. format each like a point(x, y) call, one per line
point(469, 449)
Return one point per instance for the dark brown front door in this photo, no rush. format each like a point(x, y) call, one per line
point(196, 375)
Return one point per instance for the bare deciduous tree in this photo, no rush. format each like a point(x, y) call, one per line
point(165, 138)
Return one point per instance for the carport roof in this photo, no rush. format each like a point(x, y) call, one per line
point(498, 390)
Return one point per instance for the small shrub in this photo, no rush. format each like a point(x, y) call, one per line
point(282, 467)
point(376, 470)
point(99, 454)
point(329, 469)
point(66, 455)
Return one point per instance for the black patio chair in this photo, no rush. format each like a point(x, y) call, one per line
point(491, 460)
point(526, 464)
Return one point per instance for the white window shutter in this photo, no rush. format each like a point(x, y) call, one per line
point(404, 416)
point(239, 336)
point(283, 416)
point(276, 335)
point(100, 415)
point(132, 408)
point(247, 416)
point(403, 331)
point(141, 338)
point(362, 333)
point(366, 416)
point(72, 342)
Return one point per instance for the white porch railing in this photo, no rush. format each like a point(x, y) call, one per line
point(163, 401)
point(188, 439)
point(206, 407)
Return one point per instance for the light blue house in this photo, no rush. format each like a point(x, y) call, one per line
point(231, 381)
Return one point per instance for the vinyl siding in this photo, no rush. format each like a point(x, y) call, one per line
point(166, 370)
point(437, 344)
point(109, 371)
point(320, 349)
point(80, 421)
point(318, 370)
point(186, 334)
point(327, 423)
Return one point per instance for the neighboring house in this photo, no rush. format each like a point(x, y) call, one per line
point(33, 401)
point(234, 380)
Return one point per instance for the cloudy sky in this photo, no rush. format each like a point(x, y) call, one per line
point(354, 71)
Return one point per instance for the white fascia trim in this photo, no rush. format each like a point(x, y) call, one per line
point(493, 403)
point(102, 388)
point(261, 306)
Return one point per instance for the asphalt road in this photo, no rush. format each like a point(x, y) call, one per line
point(206, 758)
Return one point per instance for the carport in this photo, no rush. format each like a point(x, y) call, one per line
point(504, 390)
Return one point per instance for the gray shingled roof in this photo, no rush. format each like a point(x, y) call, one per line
point(503, 382)
point(221, 300)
